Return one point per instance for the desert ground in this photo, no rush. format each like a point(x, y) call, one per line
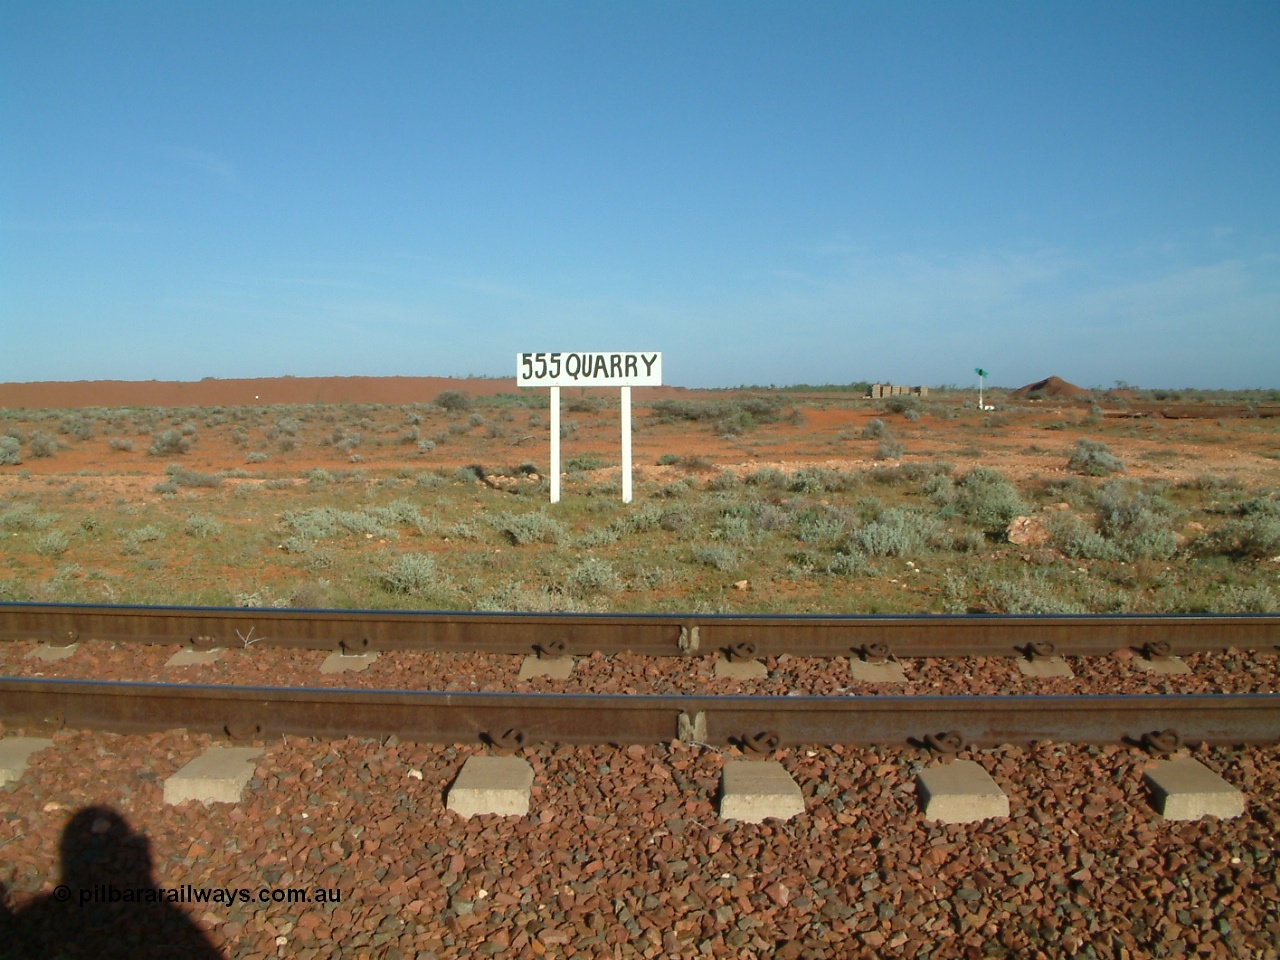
point(431, 493)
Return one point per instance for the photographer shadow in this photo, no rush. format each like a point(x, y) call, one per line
point(102, 857)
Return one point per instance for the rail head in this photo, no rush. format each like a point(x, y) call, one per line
point(428, 716)
point(654, 634)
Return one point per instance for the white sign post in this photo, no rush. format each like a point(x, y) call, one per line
point(556, 370)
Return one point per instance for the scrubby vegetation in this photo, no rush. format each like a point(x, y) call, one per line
point(730, 525)
point(1094, 459)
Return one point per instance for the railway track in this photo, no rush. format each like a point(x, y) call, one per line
point(671, 635)
point(755, 723)
point(631, 830)
point(763, 722)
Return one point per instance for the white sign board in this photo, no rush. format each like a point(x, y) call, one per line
point(588, 369)
point(556, 370)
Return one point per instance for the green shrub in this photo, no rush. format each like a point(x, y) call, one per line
point(724, 481)
point(897, 532)
point(199, 525)
point(1137, 522)
point(1209, 481)
point(1256, 599)
point(134, 539)
point(889, 450)
point(735, 527)
point(526, 528)
point(902, 404)
point(729, 417)
point(192, 478)
point(1094, 459)
point(1031, 593)
point(651, 577)
point(876, 430)
point(585, 461)
point(592, 576)
point(821, 480)
point(675, 520)
point(412, 573)
point(453, 400)
point(821, 526)
point(27, 517)
point(909, 472)
point(717, 556)
point(585, 404)
point(1075, 538)
point(121, 445)
point(316, 523)
point(80, 427)
point(677, 488)
point(597, 537)
point(846, 565)
point(987, 499)
point(10, 455)
point(52, 544)
point(169, 443)
point(768, 477)
point(1267, 505)
point(668, 460)
point(296, 545)
point(1253, 535)
point(940, 489)
point(644, 517)
point(42, 445)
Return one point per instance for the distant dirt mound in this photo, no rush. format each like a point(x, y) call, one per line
point(1053, 387)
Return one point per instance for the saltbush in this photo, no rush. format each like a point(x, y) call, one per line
point(717, 556)
point(199, 525)
point(1075, 538)
point(453, 400)
point(169, 443)
point(412, 573)
point(876, 430)
point(1138, 523)
point(526, 528)
point(1253, 535)
point(897, 532)
point(52, 544)
point(986, 498)
point(889, 450)
point(1094, 459)
point(42, 445)
point(592, 576)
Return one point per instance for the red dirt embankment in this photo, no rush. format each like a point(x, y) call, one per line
point(1054, 387)
point(271, 390)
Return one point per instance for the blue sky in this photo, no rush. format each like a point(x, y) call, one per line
point(766, 192)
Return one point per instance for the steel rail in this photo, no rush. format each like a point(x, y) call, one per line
point(658, 634)
point(521, 719)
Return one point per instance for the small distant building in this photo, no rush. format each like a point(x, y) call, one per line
point(881, 390)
